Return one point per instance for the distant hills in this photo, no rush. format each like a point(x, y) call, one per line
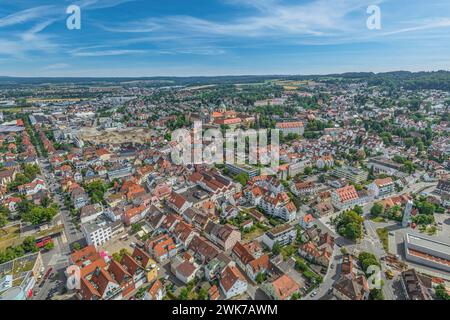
point(409, 80)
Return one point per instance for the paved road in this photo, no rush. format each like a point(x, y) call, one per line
point(71, 234)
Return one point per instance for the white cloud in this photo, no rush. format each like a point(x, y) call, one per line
point(26, 15)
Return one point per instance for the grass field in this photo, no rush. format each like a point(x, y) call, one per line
point(9, 236)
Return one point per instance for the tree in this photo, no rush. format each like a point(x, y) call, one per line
point(242, 178)
point(260, 277)
point(276, 248)
point(358, 210)
point(426, 208)
point(76, 246)
point(29, 244)
point(49, 246)
point(308, 171)
point(376, 294)
point(377, 209)
point(184, 294)
point(349, 225)
point(38, 215)
point(441, 292)
point(202, 294)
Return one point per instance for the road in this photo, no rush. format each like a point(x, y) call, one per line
point(58, 258)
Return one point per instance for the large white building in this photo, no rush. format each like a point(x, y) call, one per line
point(97, 232)
point(284, 234)
point(382, 187)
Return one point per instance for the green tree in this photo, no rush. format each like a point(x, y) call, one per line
point(242, 178)
point(377, 209)
point(260, 277)
point(29, 244)
point(202, 294)
point(276, 248)
point(376, 294)
point(441, 292)
point(358, 210)
point(49, 246)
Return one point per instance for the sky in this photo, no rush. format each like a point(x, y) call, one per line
point(135, 38)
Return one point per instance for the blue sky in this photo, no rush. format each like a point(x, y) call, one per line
point(221, 37)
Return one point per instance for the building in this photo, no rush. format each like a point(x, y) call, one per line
point(97, 232)
point(427, 251)
point(246, 169)
point(232, 282)
point(90, 212)
point(346, 198)
point(351, 174)
point(386, 166)
point(382, 187)
point(413, 286)
point(281, 288)
point(225, 236)
point(19, 276)
point(443, 187)
point(279, 206)
point(157, 291)
point(286, 128)
point(351, 287)
point(406, 220)
point(283, 234)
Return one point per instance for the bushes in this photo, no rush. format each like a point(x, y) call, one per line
point(11, 253)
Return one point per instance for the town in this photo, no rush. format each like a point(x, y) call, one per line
point(93, 207)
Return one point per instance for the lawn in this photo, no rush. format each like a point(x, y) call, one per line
point(253, 234)
point(377, 219)
point(383, 235)
point(10, 236)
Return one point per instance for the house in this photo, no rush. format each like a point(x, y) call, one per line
point(279, 206)
point(232, 282)
point(99, 286)
point(323, 209)
point(225, 236)
point(301, 189)
point(32, 188)
point(413, 286)
point(215, 267)
point(178, 203)
point(157, 291)
point(90, 212)
point(315, 254)
point(79, 197)
point(11, 203)
point(162, 247)
point(325, 161)
point(382, 187)
point(307, 221)
point(186, 271)
point(7, 176)
point(345, 198)
point(295, 127)
point(281, 288)
point(351, 287)
point(257, 266)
